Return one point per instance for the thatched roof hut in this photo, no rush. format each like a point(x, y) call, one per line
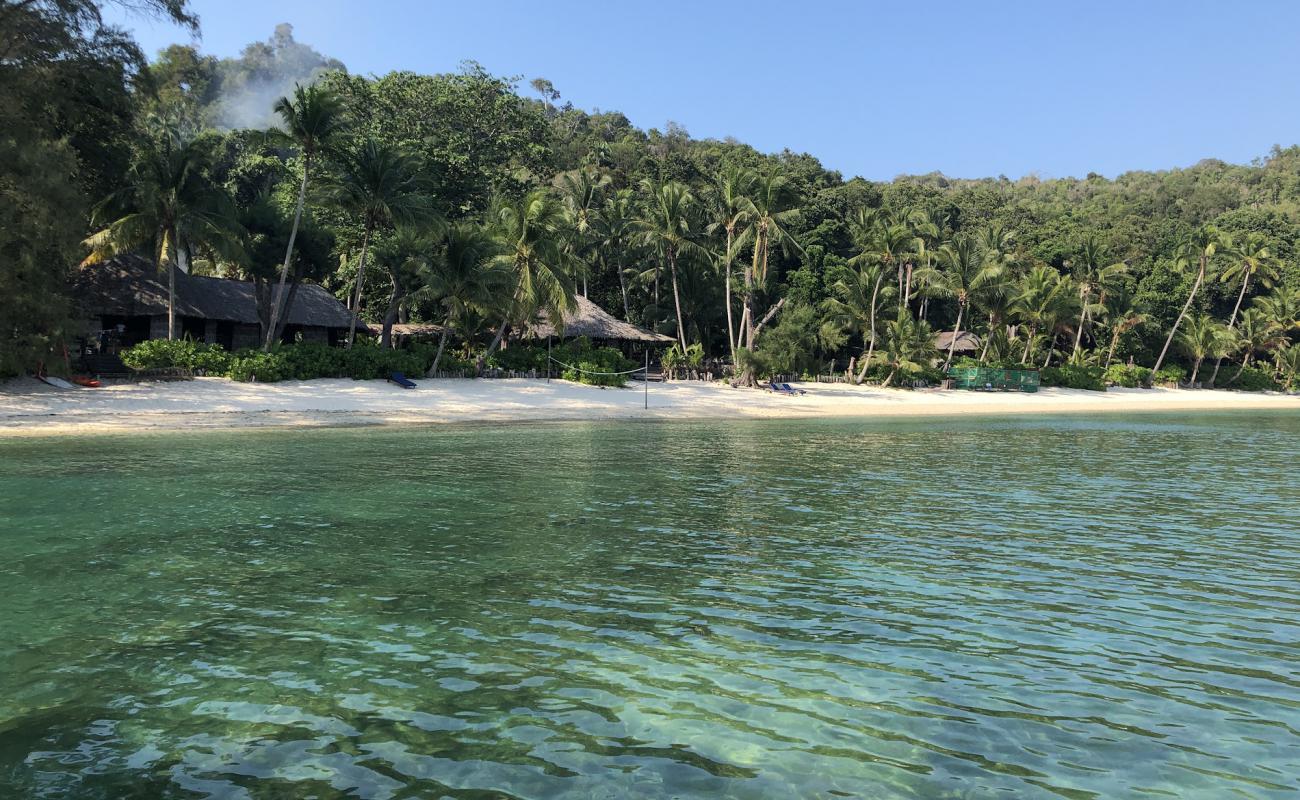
point(594, 322)
point(967, 342)
point(132, 286)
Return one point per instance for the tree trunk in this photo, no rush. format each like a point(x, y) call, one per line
point(394, 306)
point(288, 253)
point(622, 287)
point(746, 378)
point(1051, 341)
point(984, 351)
point(1196, 367)
point(1232, 323)
point(1196, 287)
point(889, 378)
point(907, 287)
point(496, 340)
point(1029, 342)
point(1083, 316)
point(1114, 341)
point(871, 345)
point(361, 277)
point(952, 345)
point(731, 331)
point(677, 300)
point(278, 328)
point(1244, 363)
point(442, 345)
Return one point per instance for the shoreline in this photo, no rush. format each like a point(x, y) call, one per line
point(30, 408)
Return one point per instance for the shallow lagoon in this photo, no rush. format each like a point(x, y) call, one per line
point(1071, 606)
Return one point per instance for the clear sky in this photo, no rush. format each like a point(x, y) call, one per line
point(973, 89)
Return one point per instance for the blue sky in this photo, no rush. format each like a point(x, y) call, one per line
point(971, 89)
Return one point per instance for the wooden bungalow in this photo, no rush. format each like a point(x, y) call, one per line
point(125, 300)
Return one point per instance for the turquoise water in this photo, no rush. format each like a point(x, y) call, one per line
point(1067, 607)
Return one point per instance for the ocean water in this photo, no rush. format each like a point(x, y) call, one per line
point(1066, 607)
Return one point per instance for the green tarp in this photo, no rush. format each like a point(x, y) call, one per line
point(1000, 380)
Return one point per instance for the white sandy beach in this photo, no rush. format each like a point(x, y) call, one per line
point(28, 407)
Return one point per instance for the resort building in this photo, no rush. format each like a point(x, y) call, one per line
point(124, 301)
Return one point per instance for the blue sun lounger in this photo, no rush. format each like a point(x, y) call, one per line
point(401, 380)
point(785, 387)
point(782, 388)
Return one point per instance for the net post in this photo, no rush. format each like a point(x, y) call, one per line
point(645, 377)
point(548, 359)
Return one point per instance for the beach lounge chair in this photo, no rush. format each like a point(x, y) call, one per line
point(779, 388)
point(787, 388)
point(401, 380)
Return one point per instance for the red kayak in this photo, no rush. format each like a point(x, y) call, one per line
point(82, 380)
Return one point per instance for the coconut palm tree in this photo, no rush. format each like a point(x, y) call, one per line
point(770, 213)
point(1256, 333)
point(930, 229)
point(581, 192)
point(964, 272)
point(1287, 361)
point(1040, 304)
point(909, 344)
point(669, 224)
point(1282, 306)
point(614, 228)
point(405, 257)
point(729, 207)
point(379, 185)
point(1248, 258)
point(168, 205)
point(466, 281)
point(1203, 337)
point(1121, 310)
point(529, 232)
point(855, 304)
point(1093, 277)
point(312, 119)
point(1197, 247)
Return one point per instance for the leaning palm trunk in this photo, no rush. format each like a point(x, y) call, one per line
point(442, 345)
point(726, 291)
point(390, 317)
point(677, 300)
point(1245, 362)
point(1196, 368)
point(622, 287)
point(952, 345)
point(871, 343)
point(1083, 318)
point(1029, 342)
point(361, 277)
point(288, 254)
point(1196, 287)
point(1114, 342)
point(1232, 323)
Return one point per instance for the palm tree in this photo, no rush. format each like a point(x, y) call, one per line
point(1202, 338)
point(312, 120)
point(1093, 278)
point(378, 184)
point(1040, 303)
point(580, 190)
point(614, 226)
point(1249, 258)
point(964, 272)
point(729, 209)
point(930, 230)
point(1287, 361)
point(769, 214)
point(167, 204)
point(466, 281)
point(1198, 247)
point(1121, 310)
point(528, 230)
point(909, 344)
point(669, 224)
point(405, 256)
point(1256, 333)
point(855, 303)
point(1282, 306)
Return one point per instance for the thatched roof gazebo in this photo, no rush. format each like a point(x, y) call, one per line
point(593, 322)
point(967, 342)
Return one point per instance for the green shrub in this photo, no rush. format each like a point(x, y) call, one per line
point(254, 365)
point(306, 361)
point(1129, 376)
point(1251, 379)
point(1073, 376)
point(1170, 374)
point(577, 353)
point(210, 359)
